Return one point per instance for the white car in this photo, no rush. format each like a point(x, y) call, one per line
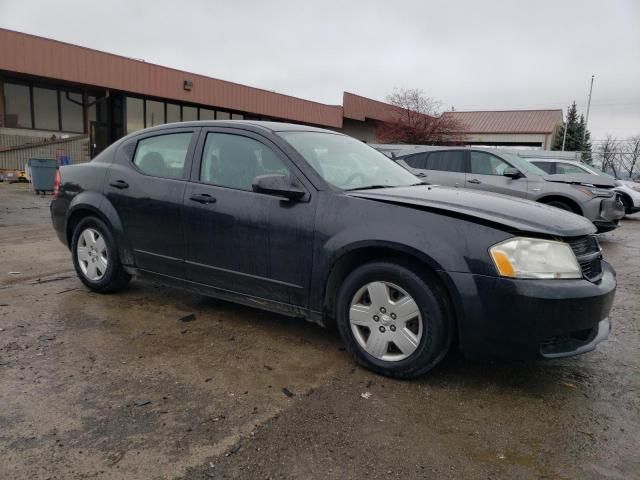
point(629, 191)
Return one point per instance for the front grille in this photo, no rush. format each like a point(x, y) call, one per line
point(587, 251)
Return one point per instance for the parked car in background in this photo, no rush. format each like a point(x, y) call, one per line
point(591, 196)
point(317, 225)
point(628, 191)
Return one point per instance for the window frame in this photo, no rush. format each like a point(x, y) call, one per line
point(196, 166)
point(487, 153)
point(465, 161)
point(582, 172)
point(188, 161)
point(426, 159)
point(554, 166)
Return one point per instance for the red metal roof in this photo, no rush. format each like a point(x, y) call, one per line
point(42, 57)
point(360, 108)
point(512, 121)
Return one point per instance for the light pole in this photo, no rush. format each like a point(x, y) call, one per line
point(586, 120)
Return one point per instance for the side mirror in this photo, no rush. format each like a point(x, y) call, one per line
point(277, 184)
point(512, 172)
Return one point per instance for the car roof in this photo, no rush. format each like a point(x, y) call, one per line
point(252, 124)
point(426, 148)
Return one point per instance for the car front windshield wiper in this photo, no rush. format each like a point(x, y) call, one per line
point(368, 187)
point(373, 187)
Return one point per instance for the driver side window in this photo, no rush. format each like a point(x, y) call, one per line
point(234, 161)
point(486, 164)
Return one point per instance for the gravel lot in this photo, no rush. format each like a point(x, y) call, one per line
point(121, 387)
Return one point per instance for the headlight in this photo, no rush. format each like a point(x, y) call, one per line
point(594, 191)
point(521, 257)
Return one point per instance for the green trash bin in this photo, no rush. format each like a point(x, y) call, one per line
point(43, 174)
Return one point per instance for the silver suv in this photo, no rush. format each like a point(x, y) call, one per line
point(589, 195)
point(628, 191)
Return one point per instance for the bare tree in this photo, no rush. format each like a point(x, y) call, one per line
point(630, 158)
point(417, 119)
point(609, 152)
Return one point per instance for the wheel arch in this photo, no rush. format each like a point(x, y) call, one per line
point(414, 260)
point(94, 204)
point(560, 198)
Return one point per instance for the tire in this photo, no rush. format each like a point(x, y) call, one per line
point(97, 263)
point(560, 204)
point(627, 205)
point(428, 333)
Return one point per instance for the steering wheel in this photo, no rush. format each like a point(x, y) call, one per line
point(353, 176)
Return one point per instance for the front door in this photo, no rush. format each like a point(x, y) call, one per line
point(241, 241)
point(486, 173)
point(146, 185)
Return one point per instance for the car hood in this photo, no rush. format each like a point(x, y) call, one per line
point(511, 212)
point(584, 179)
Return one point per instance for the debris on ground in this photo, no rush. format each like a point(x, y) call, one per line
point(288, 392)
point(141, 403)
point(366, 395)
point(188, 318)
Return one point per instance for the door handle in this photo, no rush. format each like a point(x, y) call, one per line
point(202, 198)
point(474, 180)
point(119, 184)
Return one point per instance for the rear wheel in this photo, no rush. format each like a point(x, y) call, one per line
point(392, 320)
point(95, 257)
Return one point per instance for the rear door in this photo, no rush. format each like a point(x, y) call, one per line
point(146, 185)
point(486, 173)
point(447, 167)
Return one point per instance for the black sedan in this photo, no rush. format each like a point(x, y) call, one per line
point(314, 224)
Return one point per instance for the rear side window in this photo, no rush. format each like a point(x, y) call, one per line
point(164, 155)
point(234, 161)
point(546, 166)
point(446, 161)
point(486, 164)
point(417, 161)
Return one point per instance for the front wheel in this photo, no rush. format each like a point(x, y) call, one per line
point(95, 257)
point(392, 320)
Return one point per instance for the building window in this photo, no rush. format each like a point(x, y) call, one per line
point(71, 111)
point(135, 114)
point(45, 108)
point(173, 113)
point(237, 116)
point(189, 114)
point(17, 106)
point(206, 114)
point(154, 113)
point(223, 115)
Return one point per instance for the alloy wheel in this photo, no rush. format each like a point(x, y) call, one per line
point(386, 321)
point(92, 254)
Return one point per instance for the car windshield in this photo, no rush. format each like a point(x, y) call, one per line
point(597, 171)
point(523, 165)
point(348, 163)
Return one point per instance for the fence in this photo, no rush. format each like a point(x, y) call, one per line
point(15, 151)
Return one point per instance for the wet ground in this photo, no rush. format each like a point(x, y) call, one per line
point(121, 387)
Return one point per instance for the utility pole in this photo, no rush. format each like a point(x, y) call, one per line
point(564, 137)
point(586, 120)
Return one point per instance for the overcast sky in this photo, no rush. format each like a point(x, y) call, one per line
point(473, 55)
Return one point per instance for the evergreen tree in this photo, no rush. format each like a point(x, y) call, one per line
point(576, 140)
point(585, 141)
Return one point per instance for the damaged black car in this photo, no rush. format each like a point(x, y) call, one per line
point(314, 224)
